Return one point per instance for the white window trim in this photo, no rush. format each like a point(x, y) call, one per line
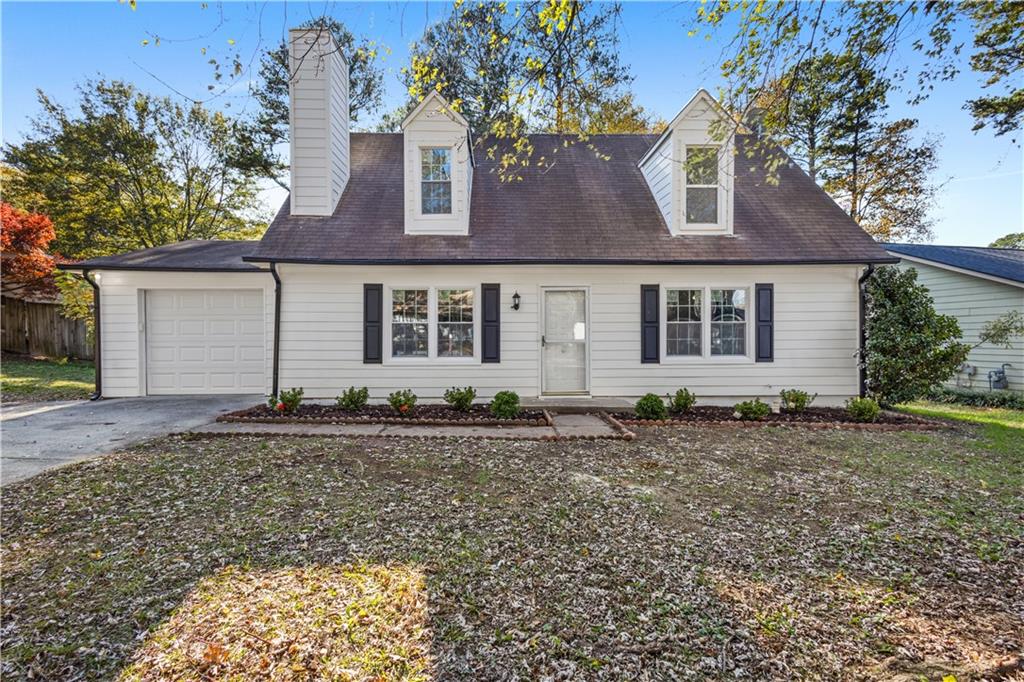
point(705, 325)
point(722, 194)
point(432, 357)
point(420, 215)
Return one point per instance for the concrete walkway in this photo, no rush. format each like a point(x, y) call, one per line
point(566, 426)
point(40, 436)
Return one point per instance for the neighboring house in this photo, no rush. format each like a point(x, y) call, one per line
point(404, 261)
point(975, 285)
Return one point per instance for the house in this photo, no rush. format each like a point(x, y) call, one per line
point(404, 261)
point(975, 285)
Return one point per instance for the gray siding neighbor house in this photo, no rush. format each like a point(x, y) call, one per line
point(975, 285)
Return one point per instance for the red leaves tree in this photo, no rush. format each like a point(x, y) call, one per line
point(25, 266)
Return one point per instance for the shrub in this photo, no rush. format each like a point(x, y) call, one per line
point(682, 401)
point(353, 398)
point(1013, 400)
point(650, 406)
point(795, 400)
point(505, 405)
point(286, 402)
point(403, 402)
point(910, 348)
point(752, 410)
point(460, 398)
point(863, 409)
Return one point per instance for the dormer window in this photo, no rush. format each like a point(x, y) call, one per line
point(436, 180)
point(701, 185)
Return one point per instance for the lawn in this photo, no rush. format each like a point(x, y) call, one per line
point(1000, 429)
point(25, 378)
point(712, 553)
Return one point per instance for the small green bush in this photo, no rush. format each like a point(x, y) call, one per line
point(505, 405)
point(460, 399)
point(353, 398)
point(286, 401)
point(863, 409)
point(795, 400)
point(753, 410)
point(403, 402)
point(650, 406)
point(1013, 400)
point(682, 401)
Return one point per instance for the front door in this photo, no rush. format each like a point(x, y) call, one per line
point(564, 340)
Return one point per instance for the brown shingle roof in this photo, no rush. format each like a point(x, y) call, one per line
point(580, 209)
point(194, 254)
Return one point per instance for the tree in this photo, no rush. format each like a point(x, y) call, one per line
point(25, 265)
point(515, 69)
point(130, 170)
point(770, 38)
point(1014, 240)
point(910, 348)
point(621, 115)
point(1002, 330)
point(882, 180)
point(259, 140)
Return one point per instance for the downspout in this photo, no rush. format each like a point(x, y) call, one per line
point(277, 320)
point(862, 364)
point(98, 336)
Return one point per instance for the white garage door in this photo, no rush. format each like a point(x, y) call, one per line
point(205, 341)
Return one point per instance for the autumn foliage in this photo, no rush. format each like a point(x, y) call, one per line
point(25, 266)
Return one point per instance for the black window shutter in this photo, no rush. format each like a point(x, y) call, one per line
point(649, 327)
point(764, 295)
point(373, 323)
point(490, 325)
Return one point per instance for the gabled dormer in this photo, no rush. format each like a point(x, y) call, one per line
point(690, 169)
point(438, 168)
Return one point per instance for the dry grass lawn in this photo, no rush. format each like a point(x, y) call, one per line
point(688, 553)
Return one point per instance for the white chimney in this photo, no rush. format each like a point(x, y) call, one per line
point(318, 118)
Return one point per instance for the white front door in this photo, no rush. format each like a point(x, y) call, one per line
point(564, 342)
point(205, 341)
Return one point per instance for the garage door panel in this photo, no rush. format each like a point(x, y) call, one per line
point(205, 341)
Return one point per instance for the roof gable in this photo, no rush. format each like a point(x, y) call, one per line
point(434, 97)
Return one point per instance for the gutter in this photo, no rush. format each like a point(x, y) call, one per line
point(561, 261)
point(98, 336)
point(277, 321)
point(862, 368)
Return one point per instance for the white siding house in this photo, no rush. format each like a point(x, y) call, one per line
point(962, 284)
point(626, 265)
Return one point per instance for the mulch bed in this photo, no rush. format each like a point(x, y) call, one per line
point(812, 418)
point(425, 415)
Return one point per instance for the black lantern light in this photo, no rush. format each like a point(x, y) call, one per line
point(515, 301)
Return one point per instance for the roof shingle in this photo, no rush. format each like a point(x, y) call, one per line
point(579, 209)
point(194, 254)
point(1003, 263)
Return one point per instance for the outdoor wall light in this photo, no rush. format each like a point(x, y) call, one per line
point(515, 301)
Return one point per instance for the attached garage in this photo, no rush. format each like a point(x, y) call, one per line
point(191, 318)
point(205, 341)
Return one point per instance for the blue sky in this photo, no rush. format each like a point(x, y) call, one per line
point(53, 46)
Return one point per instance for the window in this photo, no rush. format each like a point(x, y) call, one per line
point(433, 323)
point(435, 180)
point(701, 185)
point(409, 320)
point(683, 321)
point(455, 323)
point(728, 321)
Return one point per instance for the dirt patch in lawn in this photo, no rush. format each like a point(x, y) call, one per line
point(687, 553)
point(385, 414)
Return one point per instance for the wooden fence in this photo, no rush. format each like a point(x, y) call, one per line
point(40, 329)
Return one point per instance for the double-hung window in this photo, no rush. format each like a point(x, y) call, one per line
point(706, 321)
point(433, 322)
point(701, 185)
point(409, 323)
point(454, 323)
point(728, 321)
point(683, 321)
point(436, 180)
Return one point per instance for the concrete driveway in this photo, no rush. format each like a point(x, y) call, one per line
point(40, 436)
